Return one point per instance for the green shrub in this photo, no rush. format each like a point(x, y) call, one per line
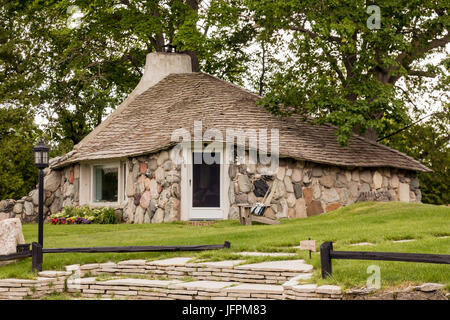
point(104, 215)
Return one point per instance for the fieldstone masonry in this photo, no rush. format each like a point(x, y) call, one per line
point(152, 189)
point(299, 189)
point(61, 188)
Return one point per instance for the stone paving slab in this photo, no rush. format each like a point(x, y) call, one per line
point(214, 286)
point(72, 267)
point(90, 266)
point(363, 244)
point(295, 280)
point(404, 240)
point(140, 262)
point(428, 287)
point(54, 274)
point(286, 265)
point(179, 261)
point(256, 288)
point(90, 280)
point(221, 264)
point(139, 282)
point(329, 289)
point(305, 288)
point(267, 254)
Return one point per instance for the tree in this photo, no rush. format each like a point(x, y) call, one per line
point(18, 134)
point(81, 58)
point(428, 141)
point(343, 71)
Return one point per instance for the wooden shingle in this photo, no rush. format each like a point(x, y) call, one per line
point(146, 124)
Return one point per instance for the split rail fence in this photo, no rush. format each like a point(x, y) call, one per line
point(37, 251)
point(327, 254)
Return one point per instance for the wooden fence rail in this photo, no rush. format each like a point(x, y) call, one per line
point(327, 254)
point(139, 248)
point(37, 250)
point(15, 256)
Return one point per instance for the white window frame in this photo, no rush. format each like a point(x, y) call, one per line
point(121, 185)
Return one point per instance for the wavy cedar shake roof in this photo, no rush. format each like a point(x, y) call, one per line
point(146, 125)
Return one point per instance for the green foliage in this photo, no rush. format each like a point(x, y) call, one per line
point(430, 143)
point(18, 134)
point(104, 215)
point(81, 58)
point(340, 71)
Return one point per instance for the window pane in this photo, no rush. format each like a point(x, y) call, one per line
point(105, 184)
point(37, 157)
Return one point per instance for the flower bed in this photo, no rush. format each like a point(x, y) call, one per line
point(84, 215)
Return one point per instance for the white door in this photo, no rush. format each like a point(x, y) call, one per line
point(205, 184)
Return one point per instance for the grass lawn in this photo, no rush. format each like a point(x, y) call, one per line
point(378, 223)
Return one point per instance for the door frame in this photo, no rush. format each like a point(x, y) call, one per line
point(186, 175)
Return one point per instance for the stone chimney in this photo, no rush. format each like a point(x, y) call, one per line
point(158, 65)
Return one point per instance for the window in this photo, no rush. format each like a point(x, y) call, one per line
point(106, 183)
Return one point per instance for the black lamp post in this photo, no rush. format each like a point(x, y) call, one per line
point(41, 161)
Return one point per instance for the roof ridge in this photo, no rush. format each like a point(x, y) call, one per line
point(230, 84)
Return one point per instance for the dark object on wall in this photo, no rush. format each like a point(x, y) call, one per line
point(260, 187)
point(137, 199)
point(374, 196)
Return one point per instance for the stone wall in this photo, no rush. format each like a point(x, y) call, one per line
point(177, 278)
point(298, 189)
point(61, 188)
point(302, 189)
point(47, 283)
point(180, 268)
point(152, 189)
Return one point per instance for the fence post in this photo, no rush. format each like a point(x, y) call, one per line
point(325, 258)
point(227, 244)
point(36, 257)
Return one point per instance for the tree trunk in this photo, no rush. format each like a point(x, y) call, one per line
point(194, 61)
point(194, 4)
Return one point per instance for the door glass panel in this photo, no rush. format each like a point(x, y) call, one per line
point(205, 183)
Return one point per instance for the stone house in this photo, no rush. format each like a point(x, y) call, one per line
point(142, 158)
